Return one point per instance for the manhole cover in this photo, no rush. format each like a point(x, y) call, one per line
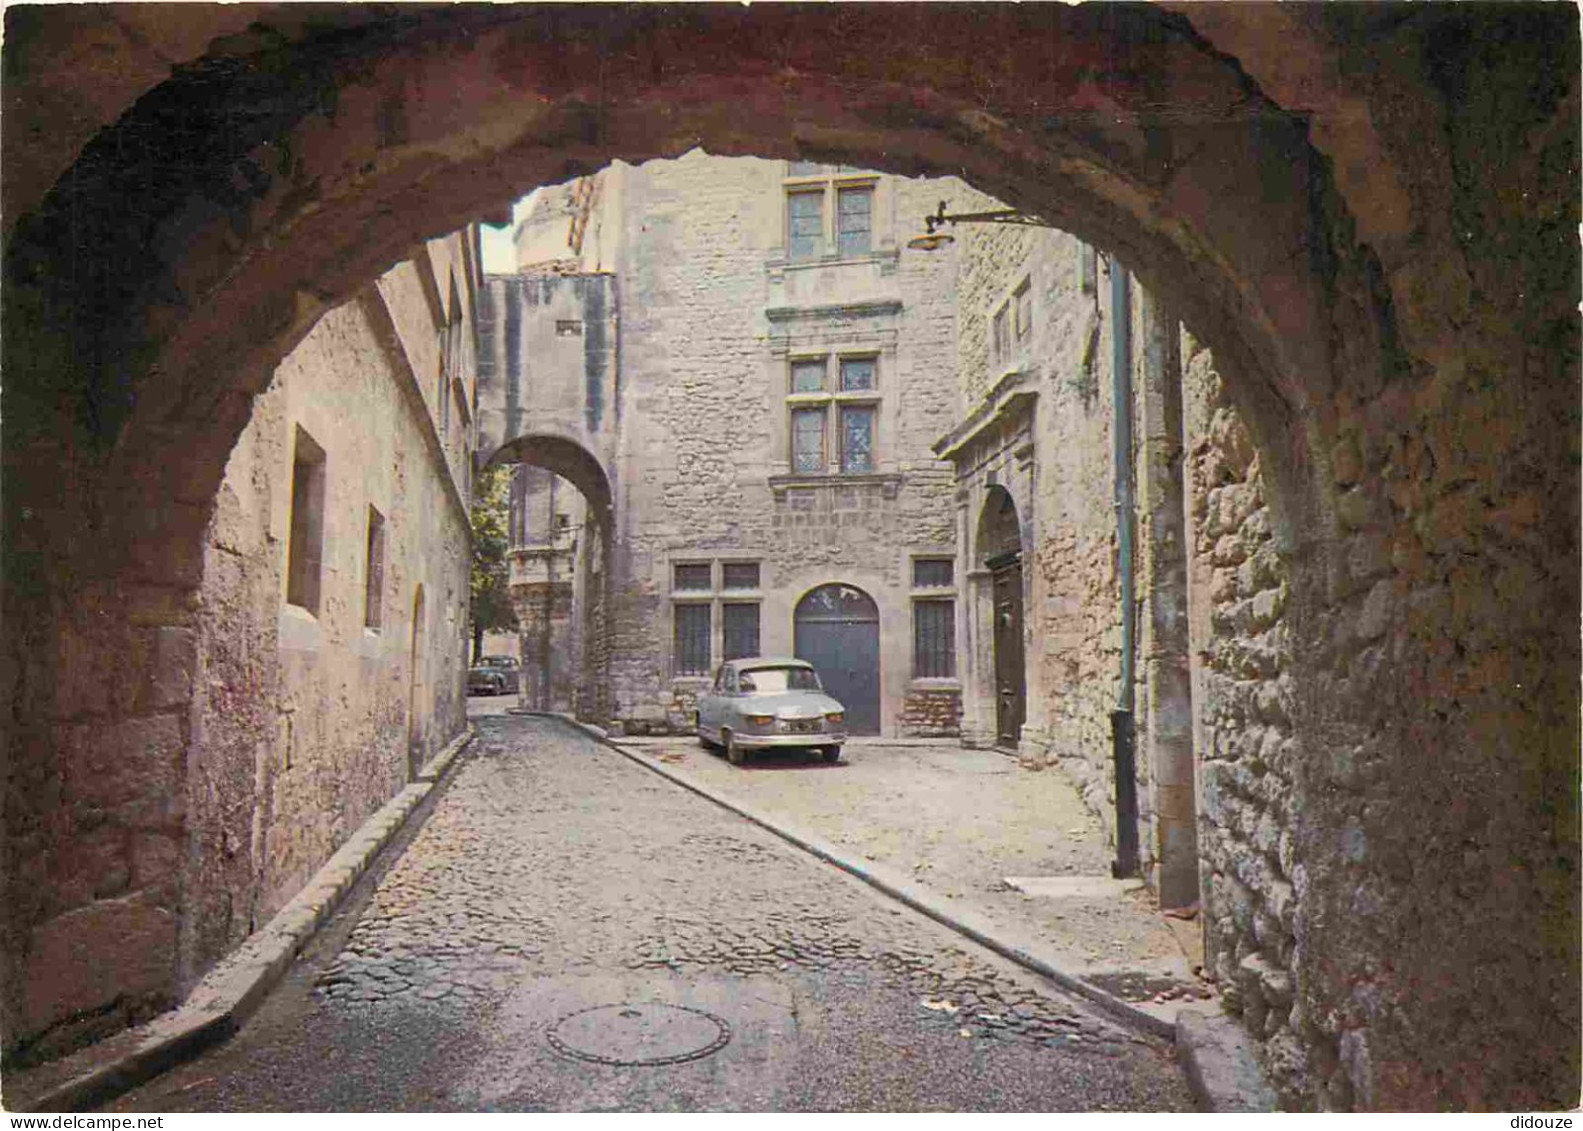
point(629, 1035)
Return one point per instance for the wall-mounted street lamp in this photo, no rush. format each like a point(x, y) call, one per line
point(933, 238)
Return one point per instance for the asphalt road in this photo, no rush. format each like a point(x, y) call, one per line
point(565, 930)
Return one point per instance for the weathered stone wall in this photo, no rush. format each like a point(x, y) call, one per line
point(931, 714)
point(711, 311)
point(1059, 469)
point(299, 724)
point(304, 723)
point(1242, 685)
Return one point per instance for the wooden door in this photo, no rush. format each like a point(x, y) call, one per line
point(1010, 684)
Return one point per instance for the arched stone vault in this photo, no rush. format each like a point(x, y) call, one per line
point(1369, 215)
point(570, 460)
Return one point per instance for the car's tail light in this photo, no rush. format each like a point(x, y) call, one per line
point(836, 717)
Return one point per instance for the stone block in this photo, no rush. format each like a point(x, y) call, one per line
point(1346, 462)
point(87, 958)
point(1374, 617)
point(174, 661)
point(1353, 509)
point(1229, 551)
point(1266, 608)
point(156, 860)
point(130, 768)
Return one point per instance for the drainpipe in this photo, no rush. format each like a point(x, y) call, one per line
point(1123, 732)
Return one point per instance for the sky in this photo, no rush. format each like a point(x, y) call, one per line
point(499, 256)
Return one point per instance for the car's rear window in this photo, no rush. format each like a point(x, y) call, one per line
point(781, 679)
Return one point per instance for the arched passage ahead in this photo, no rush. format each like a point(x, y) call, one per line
point(1339, 202)
point(567, 458)
point(563, 607)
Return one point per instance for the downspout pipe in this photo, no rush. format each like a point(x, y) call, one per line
point(1123, 729)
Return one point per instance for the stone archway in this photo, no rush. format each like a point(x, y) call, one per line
point(1342, 203)
point(561, 584)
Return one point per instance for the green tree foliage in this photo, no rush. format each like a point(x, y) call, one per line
point(491, 597)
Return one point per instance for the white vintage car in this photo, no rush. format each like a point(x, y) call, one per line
point(767, 702)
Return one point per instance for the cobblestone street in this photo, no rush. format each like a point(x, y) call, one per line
point(963, 823)
point(553, 876)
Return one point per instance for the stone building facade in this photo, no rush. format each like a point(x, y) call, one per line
point(783, 369)
point(325, 660)
point(1202, 673)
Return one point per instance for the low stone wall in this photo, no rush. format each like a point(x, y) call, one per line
point(931, 713)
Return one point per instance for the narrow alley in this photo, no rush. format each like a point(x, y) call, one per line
point(554, 877)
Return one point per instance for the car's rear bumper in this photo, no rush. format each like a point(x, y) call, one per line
point(769, 741)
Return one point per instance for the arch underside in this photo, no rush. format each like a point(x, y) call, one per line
point(568, 459)
point(278, 173)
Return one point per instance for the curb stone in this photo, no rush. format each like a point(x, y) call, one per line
point(1216, 1056)
point(223, 1000)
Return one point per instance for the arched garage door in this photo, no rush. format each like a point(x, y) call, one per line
point(837, 631)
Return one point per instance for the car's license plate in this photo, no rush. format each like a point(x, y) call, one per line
point(805, 726)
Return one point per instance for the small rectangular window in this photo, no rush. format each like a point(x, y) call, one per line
point(740, 627)
point(693, 575)
point(808, 456)
point(805, 224)
point(1001, 344)
point(306, 547)
point(739, 575)
point(807, 376)
point(854, 220)
point(934, 639)
point(857, 374)
point(568, 328)
point(932, 573)
point(374, 593)
point(691, 639)
point(857, 438)
point(1022, 303)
